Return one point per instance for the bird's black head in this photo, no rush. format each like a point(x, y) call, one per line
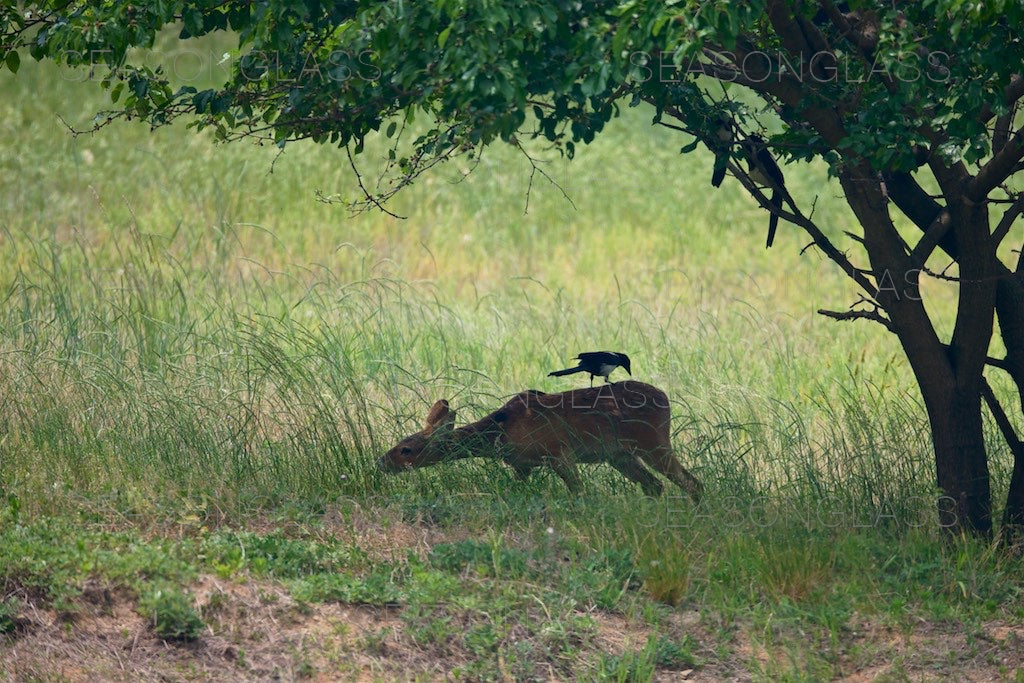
point(624, 362)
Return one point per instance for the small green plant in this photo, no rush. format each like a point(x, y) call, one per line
point(8, 611)
point(483, 639)
point(640, 665)
point(381, 586)
point(13, 506)
point(604, 578)
point(626, 668)
point(673, 654)
point(485, 559)
point(430, 627)
point(172, 614)
point(375, 642)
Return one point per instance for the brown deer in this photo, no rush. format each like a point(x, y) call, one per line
point(625, 424)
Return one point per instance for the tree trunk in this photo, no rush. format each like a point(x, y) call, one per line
point(961, 463)
point(1012, 532)
point(949, 377)
point(1010, 311)
point(917, 205)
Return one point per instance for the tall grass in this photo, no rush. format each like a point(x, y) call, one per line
point(179, 323)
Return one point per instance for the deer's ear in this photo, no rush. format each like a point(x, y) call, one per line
point(438, 415)
point(447, 424)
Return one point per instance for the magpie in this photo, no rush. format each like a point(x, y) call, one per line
point(766, 172)
point(720, 146)
point(601, 363)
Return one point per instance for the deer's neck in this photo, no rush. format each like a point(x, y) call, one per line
point(475, 439)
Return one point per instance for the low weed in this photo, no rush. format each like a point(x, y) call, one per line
point(171, 612)
point(640, 665)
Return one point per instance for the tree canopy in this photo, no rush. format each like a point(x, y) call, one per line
point(894, 97)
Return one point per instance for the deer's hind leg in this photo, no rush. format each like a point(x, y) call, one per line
point(634, 470)
point(661, 459)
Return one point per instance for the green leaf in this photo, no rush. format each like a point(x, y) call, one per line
point(442, 37)
point(140, 86)
point(192, 19)
point(13, 60)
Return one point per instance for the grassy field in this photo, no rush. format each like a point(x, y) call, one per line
point(200, 364)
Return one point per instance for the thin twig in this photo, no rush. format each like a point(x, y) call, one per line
point(366, 193)
point(534, 170)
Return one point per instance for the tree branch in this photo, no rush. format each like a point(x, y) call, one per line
point(860, 314)
point(997, 169)
point(721, 70)
point(875, 316)
point(1009, 216)
point(914, 202)
point(1001, 130)
point(1012, 93)
point(798, 219)
point(1002, 421)
point(932, 237)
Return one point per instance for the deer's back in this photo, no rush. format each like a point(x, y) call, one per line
point(630, 414)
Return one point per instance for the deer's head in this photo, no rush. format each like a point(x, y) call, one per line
point(425, 447)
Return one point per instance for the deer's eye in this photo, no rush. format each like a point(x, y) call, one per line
point(406, 450)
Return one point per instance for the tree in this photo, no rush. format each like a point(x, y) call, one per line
point(894, 97)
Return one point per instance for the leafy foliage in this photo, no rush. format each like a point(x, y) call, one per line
point(338, 72)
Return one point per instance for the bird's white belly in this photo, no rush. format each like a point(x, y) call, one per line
point(606, 369)
point(758, 176)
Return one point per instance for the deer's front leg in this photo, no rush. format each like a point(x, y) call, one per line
point(521, 462)
point(564, 465)
point(522, 471)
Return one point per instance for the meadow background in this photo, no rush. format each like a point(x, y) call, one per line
point(197, 355)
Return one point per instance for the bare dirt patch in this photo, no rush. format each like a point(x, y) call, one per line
point(255, 631)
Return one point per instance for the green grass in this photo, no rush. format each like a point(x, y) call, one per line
point(200, 364)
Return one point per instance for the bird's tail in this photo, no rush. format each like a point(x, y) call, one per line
point(718, 175)
point(773, 220)
point(567, 371)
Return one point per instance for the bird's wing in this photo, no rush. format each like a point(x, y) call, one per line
point(770, 167)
